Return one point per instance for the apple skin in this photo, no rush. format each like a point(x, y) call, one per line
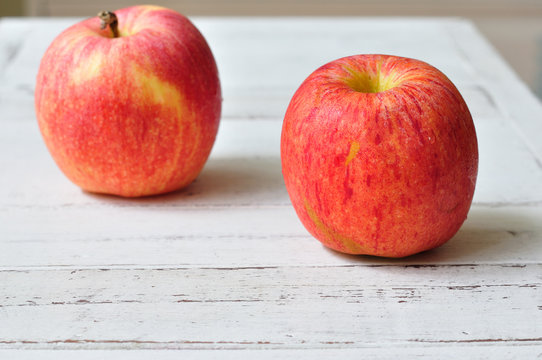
point(134, 115)
point(379, 156)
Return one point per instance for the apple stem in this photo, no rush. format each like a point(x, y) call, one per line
point(109, 18)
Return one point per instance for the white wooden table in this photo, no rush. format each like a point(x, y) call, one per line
point(224, 269)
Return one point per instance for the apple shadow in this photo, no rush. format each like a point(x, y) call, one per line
point(222, 182)
point(489, 235)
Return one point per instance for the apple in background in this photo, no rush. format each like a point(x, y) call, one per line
point(129, 102)
point(379, 155)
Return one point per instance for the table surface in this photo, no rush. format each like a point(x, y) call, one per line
point(224, 267)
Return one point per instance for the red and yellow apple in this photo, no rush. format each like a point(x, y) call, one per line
point(129, 103)
point(379, 155)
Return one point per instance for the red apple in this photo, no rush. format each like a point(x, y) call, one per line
point(379, 155)
point(130, 108)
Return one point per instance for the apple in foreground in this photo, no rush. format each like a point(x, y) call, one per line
point(379, 155)
point(129, 102)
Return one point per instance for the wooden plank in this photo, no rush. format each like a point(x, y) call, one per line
point(244, 169)
point(444, 352)
point(267, 307)
point(225, 237)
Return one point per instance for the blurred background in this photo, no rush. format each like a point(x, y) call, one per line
point(514, 27)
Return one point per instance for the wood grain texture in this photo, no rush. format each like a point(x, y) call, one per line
point(225, 264)
point(253, 307)
point(440, 351)
point(270, 237)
